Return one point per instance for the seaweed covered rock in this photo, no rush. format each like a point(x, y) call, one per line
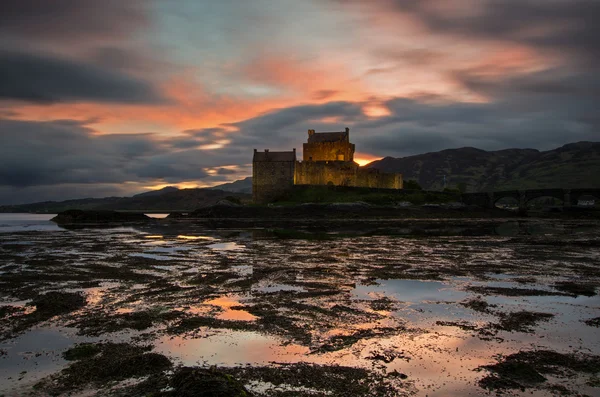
point(55, 302)
point(526, 369)
point(89, 216)
point(94, 365)
point(192, 382)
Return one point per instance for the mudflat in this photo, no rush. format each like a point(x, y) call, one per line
point(436, 307)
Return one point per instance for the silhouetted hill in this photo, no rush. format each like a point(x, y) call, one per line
point(164, 190)
point(240, 186)
point(171, 200)
point(575, 165)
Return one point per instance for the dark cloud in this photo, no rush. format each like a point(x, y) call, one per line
point(525, 114)
point(323, 94)
point(45, 78)
point(103, 61)
point(564, 25)
point(579, 85)
point(540, 110)
point(65, 159)
point(45, 153)
point(122, 59)
point(279, 129)
point(69, 152)
point(70, 20)
point(538, 120)
point(226, 171)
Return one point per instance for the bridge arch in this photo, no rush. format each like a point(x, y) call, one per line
point(539, 193)
point(507, 194)
point(567, 197)
point(577, 194)
point(506, 202)
point(545, 202)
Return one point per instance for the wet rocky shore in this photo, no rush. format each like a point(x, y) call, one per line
point(436, 307)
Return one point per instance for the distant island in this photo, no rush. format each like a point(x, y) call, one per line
point(327, 160)
point(575, 165)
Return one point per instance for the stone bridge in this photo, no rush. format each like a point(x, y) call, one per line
point(569, 197)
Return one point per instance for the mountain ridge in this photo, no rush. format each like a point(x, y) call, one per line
point(157, 200)
point(573, 165)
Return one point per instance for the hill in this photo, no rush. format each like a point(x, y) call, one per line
point(164, 190)
point(575, 165)
point(241, 186)
point(167, 200)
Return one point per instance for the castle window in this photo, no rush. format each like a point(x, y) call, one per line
point(340, 157)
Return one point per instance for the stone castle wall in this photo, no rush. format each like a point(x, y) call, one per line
point(339, 173)
point(328, 151)
point(271, 179)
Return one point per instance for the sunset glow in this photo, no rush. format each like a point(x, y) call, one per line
point(138, 95)
point(364, 160)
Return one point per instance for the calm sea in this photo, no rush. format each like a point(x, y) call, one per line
point(10, 223)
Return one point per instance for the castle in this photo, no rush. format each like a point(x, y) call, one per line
point(328, 159)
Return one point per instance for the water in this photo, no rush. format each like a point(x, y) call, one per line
point(260, 300)
point(20, 222)
point(10, 223)
point(229, 246)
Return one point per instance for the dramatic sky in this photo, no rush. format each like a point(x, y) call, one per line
point(116, 97)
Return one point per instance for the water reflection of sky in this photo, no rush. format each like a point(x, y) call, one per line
point(440, 358)
point(409, 291)
point(230, 348)
point(11, 223)
point(228, 246)
point(32, 356)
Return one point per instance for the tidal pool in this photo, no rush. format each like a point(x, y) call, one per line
point(384, 313)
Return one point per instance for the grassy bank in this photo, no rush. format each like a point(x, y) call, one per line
point(344, 194)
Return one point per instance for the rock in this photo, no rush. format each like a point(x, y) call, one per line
point(226, 203)
point(191, 382)
point(177, 215)
point(89, 216)
point(349, 206)
point(56, 302)
point(454, 205)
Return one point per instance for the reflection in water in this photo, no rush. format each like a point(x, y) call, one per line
point(231, 246)
point(15, 223)
point(239, 315)
point(230, 348)
point(151, 256)
point(306, 292)
point(225, 303)
point(269, 288)
point(157, 216)
point(186, 237)
point(32, 356)
point(409, 291)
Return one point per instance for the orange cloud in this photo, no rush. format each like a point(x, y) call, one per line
point(316, 81)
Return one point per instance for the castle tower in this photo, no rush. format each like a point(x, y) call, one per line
point(272, 174)
point(328, 146)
